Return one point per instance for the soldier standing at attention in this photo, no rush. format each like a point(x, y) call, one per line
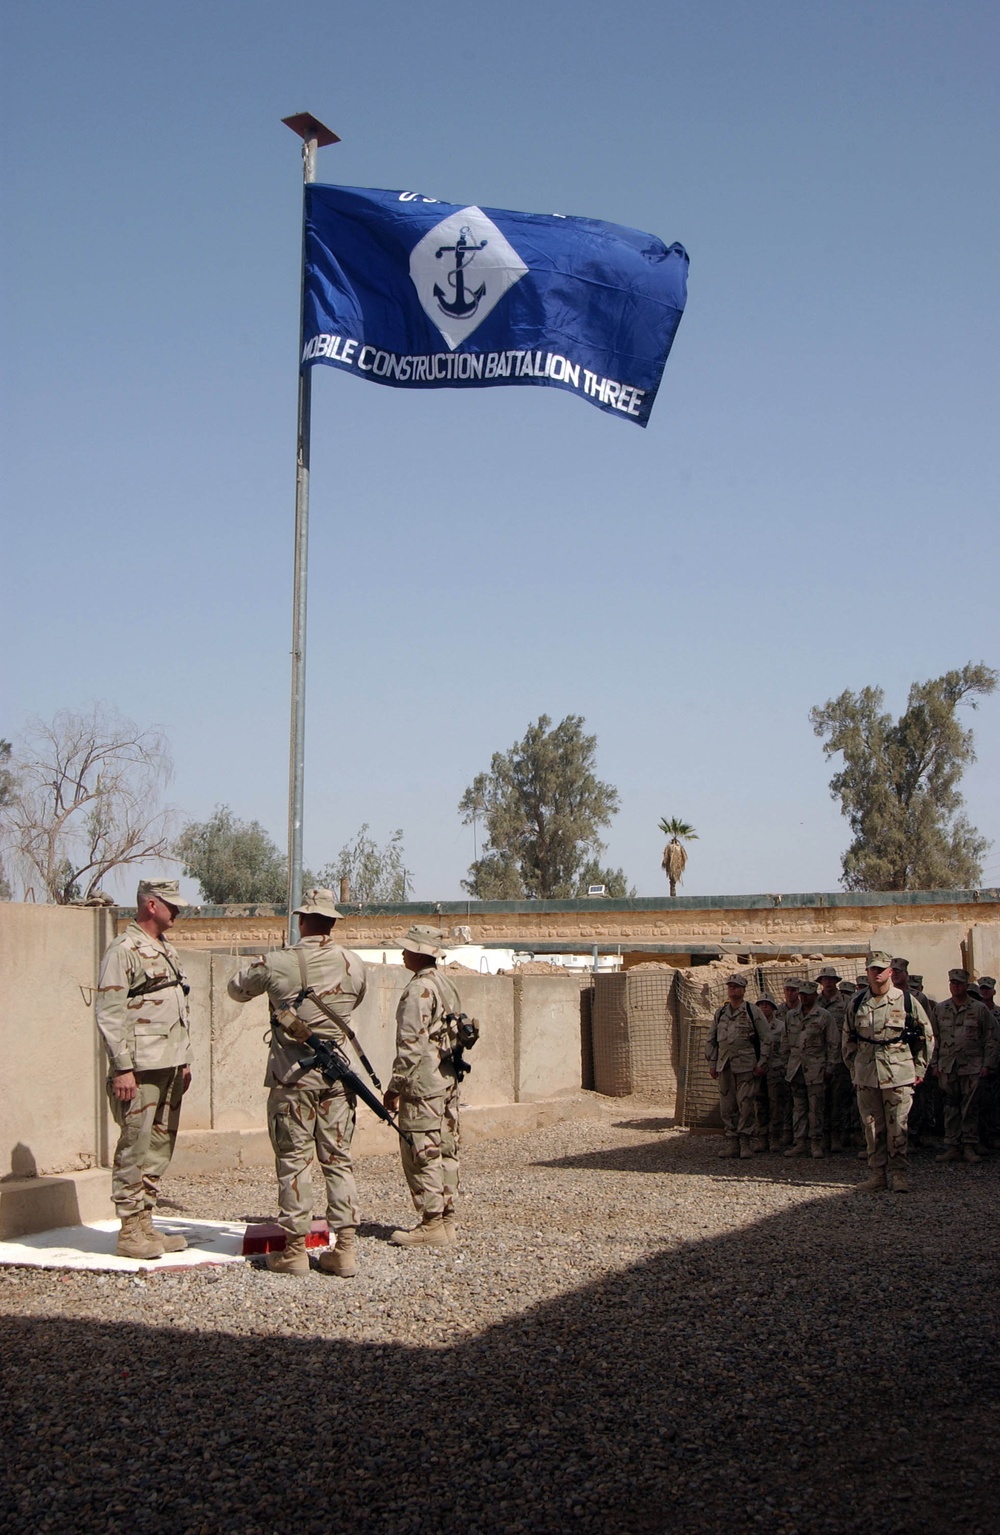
point(839, 1090)
point(809, 1031)
point(774, 1079)
point(736, 1052)
point(989, 1112)
point(306, 1115)
point(424, 1090)
point(142, 1013)
point(965, 1052)
point(888, 1053)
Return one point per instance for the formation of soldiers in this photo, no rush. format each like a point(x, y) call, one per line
point(312, 988)
point(873, 1061)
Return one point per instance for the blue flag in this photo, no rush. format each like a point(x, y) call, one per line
point(420, 294)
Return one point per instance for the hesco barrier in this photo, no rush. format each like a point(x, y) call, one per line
point(634, 1033)
point(649, 1028)
point(697, 995)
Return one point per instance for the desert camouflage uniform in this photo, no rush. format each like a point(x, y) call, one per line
point(807, 1048)
point(779, 1125)
point(737, 1041)
point(840, 1108)
point(428, 1090)
point(142, 1013)
point(966, 1044)
point(305, 1114)
point(884, 1071)
point(927, 1112)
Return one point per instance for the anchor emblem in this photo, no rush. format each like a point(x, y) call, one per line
point(465, 302)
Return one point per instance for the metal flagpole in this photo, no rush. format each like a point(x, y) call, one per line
point(314, 136)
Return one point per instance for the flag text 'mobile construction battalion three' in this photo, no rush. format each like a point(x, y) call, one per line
point(405, 290)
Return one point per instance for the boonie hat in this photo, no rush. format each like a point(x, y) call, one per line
point(808, 988)
point(878, 959)
point(766, 1002)
point(166, 890)
point(829, 973)
point(736, 980)
point(424, 940)
point(317, 903)
point(958, 975)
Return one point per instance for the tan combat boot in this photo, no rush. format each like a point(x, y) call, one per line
point(430, 1233)
point(292, 1260)
point(949, 1154)
point(341, 1260)
point(872, 1184)
point(450, 1225)
point(135, 1242)
point(796, 1149)
point(169, 1244)
point(971, 1154)
point(816, 1150)
point(900, 1183)
point(746, 1149)
point(729, 1148)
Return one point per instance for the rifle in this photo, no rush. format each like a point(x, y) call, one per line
point(334, 1067)
point(467, 1030)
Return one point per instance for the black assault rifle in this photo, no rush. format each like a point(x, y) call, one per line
point(467, 1030)
point(334, 1067)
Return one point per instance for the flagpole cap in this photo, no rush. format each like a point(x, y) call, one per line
point(308, 127)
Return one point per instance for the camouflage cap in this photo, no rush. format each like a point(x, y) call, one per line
point(317, 903)
point(794, 983)
point(916, 979)
point(974, 991)
point(736, 980)
point(808, 988)
point(878, 959)
point(987, 983)
point(958, 975)
point(847, 986)
point(901, 964)
point(829, 973)
point(861, 980)
point(424, 940)
point(766, 1002)
point(166, 890)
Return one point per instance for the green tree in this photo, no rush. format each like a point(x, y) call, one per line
point(84, 800)
point(542, 805)
point(674, 860)
point(375, 874)
point(898, 786)
point(232, 860)
point(6, 792)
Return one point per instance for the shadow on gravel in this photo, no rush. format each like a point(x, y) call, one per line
point(831, 1369)
point(698, 1158)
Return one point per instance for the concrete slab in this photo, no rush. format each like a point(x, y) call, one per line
point(92, 1246)
point(41, 1204)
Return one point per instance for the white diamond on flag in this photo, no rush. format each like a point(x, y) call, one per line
point(461, 270)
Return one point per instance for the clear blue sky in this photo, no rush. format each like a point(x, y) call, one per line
point(813, 506)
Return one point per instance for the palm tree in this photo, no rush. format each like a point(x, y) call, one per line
point(675, 856)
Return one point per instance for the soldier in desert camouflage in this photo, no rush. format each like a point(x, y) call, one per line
point(736, 1052)
point(809, 1051)
point(989, 1108)
point(424, 1090)
point(306, 1115)
point(142, 1014)
point(965, 1052)
point(885, 1066)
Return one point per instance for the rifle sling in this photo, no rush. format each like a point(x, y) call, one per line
point(310, 992)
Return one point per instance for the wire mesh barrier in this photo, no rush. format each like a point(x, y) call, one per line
point(634, 1033)
point(587, 1035)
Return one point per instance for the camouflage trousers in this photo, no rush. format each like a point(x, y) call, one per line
point(961, 1108)
point(738, 1093)
point(842, 1107)
point(884, 1112)
point(779, 1104)
point(430, 1166)
point(808, 1101)
point(306, 1122)
point(147, 1131)
point(926, 1113)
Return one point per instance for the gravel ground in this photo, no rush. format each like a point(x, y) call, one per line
point(630, 1334)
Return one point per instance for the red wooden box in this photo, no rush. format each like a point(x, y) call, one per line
point(269, 1237)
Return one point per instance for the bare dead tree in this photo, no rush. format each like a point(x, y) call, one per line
point(85, 800)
